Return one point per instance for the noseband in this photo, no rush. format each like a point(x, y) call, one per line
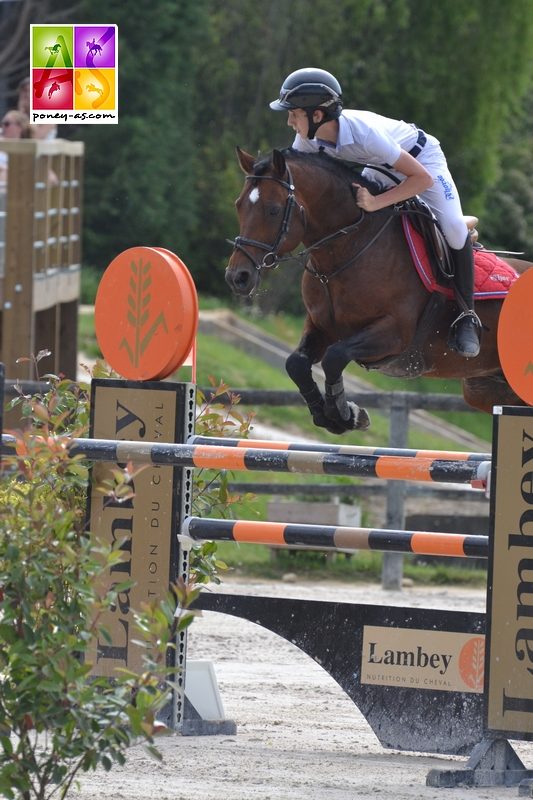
point(272, 257)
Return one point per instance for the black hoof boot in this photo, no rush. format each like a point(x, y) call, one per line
point(321, 421)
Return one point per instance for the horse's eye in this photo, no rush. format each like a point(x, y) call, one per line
point(274, 211)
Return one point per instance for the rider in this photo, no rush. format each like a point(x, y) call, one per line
point(313, 98)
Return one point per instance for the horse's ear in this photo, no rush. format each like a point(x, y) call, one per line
point(245, 160)
point(278, 160)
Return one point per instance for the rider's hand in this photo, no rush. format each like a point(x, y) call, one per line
point(364, 199)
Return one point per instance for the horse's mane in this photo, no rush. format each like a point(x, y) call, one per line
point(345, 171)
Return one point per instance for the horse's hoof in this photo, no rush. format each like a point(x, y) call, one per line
point(358, 420)
point(361, 418)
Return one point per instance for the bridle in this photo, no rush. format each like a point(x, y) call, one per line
point(272, 257)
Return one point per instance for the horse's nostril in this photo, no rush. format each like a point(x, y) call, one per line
point(240, 281)
point(242, 278)
point(237, 277)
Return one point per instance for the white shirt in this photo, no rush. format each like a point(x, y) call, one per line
point(366, 138)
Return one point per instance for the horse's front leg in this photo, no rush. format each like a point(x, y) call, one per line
point(299, 365)
point(374, 342)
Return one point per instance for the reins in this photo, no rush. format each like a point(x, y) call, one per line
point(325, 279)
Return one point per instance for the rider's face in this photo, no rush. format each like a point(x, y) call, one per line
point(297, 120)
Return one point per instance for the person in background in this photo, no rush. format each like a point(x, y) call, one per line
point(14, 125)
point(24, 89)
point(414, 159)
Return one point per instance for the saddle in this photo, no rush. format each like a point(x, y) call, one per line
point(426, 224)
point(431, 257)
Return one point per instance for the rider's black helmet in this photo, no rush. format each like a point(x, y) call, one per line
point(310, 88)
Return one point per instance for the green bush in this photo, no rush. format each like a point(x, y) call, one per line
point(56, 720)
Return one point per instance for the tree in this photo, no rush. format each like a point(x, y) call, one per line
point(139, 184)
point(15, 19)
point(418, 61)
point(508, 221)
point(462, 69)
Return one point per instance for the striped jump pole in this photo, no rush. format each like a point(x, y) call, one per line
point(253, 459)
point(328, 537)
point(346, 449)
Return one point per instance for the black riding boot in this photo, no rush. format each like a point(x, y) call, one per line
point(464, 333)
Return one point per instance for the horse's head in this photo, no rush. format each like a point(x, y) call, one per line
point(268, 225)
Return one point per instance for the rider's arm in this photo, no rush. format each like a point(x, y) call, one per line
point(417, 180)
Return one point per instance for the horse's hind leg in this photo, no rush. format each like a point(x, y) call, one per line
point(490, 390)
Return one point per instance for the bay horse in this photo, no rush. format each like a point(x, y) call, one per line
point(364, 299)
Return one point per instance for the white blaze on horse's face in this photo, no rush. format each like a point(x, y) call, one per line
point(254, 195)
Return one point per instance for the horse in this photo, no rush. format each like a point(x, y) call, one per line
point(92, 88)
point(93, 48)
point(364, 300)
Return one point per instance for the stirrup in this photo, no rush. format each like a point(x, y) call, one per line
point(468, 313)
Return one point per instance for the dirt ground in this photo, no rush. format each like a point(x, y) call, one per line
point(299, 737)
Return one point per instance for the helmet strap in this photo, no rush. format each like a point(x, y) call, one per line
point(328, 116)
point(314, 126)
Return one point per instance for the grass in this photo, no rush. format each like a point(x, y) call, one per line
point(90, 278)
point(264, 562)
point(86, 338)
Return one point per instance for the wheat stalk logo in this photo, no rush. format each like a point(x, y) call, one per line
point(472, 662)
point(139, 299)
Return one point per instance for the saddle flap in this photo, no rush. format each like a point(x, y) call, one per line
point(492, 276)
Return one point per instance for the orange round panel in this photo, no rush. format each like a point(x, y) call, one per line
point(190, 301)
point(146, 313)
point(515, 337)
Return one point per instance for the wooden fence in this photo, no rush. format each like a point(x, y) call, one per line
point(40, 253)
